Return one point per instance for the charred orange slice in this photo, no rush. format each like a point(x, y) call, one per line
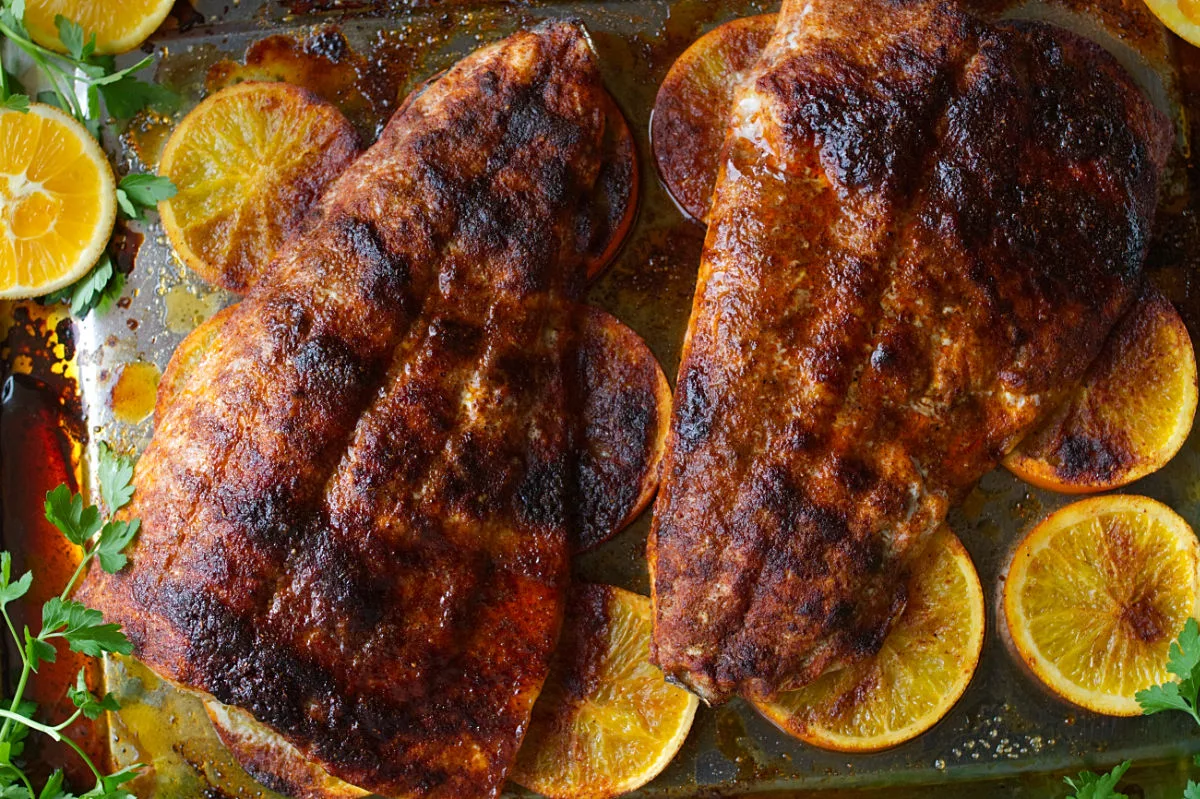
point(249, 163)
point(58, 201)
point(1131, 415)
point(626, 411)
point(610, 216)
point(119, 27)
point(692, 108)
point(923, 667)
point(1181, 16)
point(1095, 595)
point(607, 722)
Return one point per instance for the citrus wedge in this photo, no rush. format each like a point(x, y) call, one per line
point(606, 722)
point(119, 27)
point(57, 201)
point(1181, 16)
point(1095, 595)
point(249, 163)
point(1131, 415)
point(691, 110)
point(923, 667)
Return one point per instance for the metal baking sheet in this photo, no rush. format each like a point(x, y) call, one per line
point(1006, 736)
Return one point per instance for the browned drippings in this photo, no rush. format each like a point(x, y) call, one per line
point(41, 432)
point(366, 86)
point(134, 392)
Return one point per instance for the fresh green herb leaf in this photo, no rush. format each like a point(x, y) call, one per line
point(67, 512)
point(89, 290)
point(53, 787)
point(87, 702)
point(126, 205)
point(140, 192)
point(51, 98)
point(148, 190)
point(83, 628)
point(111, 293)
point(1089, 785)
point(37, 651)
point(70, 33)
point(1184, 663)
point(124, 98)
point(114, 537)
point(12, 591)
point(15, 102)
point(116, 478)
point(1192, 791)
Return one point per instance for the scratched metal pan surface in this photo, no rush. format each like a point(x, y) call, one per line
point(1006, 736)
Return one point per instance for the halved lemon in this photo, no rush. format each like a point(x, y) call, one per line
point(923, 667)
point(1095, 595)
point(249, 163)
point(1181, 16)
point(606, 722)
point(1131, 415)
point(119, 27)
point(57, 201)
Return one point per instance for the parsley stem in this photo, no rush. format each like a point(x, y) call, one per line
point(12, 629)
point(83, 562)
point(70, 720)
point(28, 722)
point(24, 779)
point(18, 695)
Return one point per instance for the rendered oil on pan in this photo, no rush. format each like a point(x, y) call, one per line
point(1007, 733)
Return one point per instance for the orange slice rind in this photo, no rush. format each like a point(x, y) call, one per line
point(919, 673)
point(1095, 595)
point(606, 722)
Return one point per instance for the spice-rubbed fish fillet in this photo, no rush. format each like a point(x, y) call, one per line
point(352, 511)
point(923, 229)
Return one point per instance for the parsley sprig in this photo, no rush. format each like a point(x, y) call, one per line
point(1183, 695)
point(83, 630)
point(78, 80)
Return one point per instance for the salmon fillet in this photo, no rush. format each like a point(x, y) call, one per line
point(924, 226)
point(353, 521)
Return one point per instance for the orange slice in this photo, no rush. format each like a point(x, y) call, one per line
point(606, 722)
point(1181, 16)
point(1131, 415)
point(692, 108)
point(1095, 595)
point(58, 201)
point(625, 411)
point(612, 211)
point(249, 163)
point(119, 27)
point(923, 667)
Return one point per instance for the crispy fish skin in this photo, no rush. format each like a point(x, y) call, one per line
point(353, 510)
point(924, 227)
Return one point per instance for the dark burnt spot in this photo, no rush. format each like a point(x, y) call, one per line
point(1082, 457)
point(694, 409)
point(266, 515)
point(457, 338)
point(1145, 621)
point(540, 496)
point(855, 474)
point(385, 277)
